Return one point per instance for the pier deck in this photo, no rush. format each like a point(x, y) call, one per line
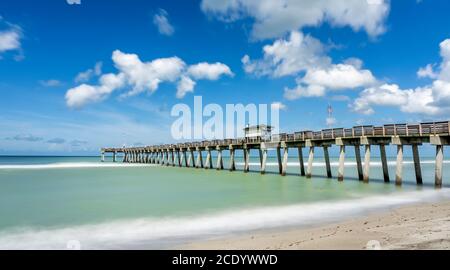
point(189, 154)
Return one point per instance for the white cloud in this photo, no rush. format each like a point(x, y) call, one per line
point(288, 56)
point(430, 100)
point(79, 96)
point(340, 76)
point(427, 72)
point(278, 105)
point(10, 38)
point(162, 23)
point(209, 71)
point(50, 83)
point(417, 100)
point(85, 76)
point(300, 54)
point(304, 91)
point(74, 2)
point(275, 18)
point(144, 76)
point(185, 85)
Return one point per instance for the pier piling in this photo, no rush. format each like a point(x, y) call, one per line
point(285, 161)
point(416, 158)
point(310, 162)
point(301, 162)
point(358, 162)
point(384, 163)
point(327, 161)
point(399, 167)
point(341, 163)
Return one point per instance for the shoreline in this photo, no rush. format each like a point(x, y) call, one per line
point(417, 226)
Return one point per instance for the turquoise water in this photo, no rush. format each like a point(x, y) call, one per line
point(47, 201)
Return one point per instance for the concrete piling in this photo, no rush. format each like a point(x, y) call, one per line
point(341, 163)
point(301, 162)
point(416, 158)
point(384, 163)
point(310, 162)
point(358, 162)
point(399, 167)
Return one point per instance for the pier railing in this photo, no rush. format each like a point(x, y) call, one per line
point(408, 130)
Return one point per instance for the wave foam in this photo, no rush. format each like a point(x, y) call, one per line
point(69, 165)
point(163, 232)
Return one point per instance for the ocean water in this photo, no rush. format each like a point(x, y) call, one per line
point(62, 202)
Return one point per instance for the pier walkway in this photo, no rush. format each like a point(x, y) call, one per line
point(189, 154)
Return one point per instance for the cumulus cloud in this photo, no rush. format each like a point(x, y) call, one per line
point(288, 56)
point(209, 71)
point(141, 76)
point(417, 100)
point(301, 54)
point(275, 18)
point(10, 37)
point(427, 72)
point(185, 85)
point(161, 21)
point(85, 76)
point(430, 100)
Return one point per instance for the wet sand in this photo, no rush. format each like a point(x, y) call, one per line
point(425, 226)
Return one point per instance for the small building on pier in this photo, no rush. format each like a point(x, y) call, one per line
point(258, 133)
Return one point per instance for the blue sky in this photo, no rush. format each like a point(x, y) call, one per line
point(363, 57)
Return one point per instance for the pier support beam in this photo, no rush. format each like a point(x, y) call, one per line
point(190, 161)
point(327, 161)
point(384, 163)
point(399, 168)
point(114, 156)
point(180, 158)
point(260, 157)
point(366, 163)
point(232, 161)
point(199, 163)
point(219, 165)
point(186, 162)
point(341, 163)
point(246, 159)
point(438, 168)
point(172, 157)
point(209, 164)
point(280, 167)
point(416, 158)
point(310, 162)
point(264, 161)
point(300, 161)
point(285, 160)
point(358, 162)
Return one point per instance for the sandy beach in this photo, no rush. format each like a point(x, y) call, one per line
point(424, 226)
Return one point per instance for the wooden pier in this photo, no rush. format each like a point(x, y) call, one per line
point(190, 155)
